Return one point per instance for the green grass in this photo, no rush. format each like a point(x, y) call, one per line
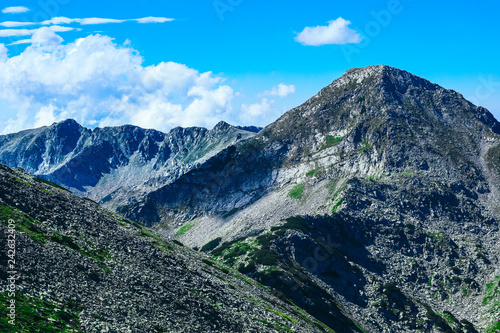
point(23, 181)
point(24, 223)
point(98, 254)
point(54, 185)
point(436, 235)
point(492, 291)
point(295, 222)
point(229, 213)
point(493, 328)
point(163, 246)
point(211, 245)
point(37, 315)
point(314, 172)
point(331, 188)
point(337, 205)
point(331, 141)
point(366, 146)
point(33, 228)
point(296, 192)
point(185, 228)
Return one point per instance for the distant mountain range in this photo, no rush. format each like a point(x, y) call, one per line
point(115, 165)
point(374, 206)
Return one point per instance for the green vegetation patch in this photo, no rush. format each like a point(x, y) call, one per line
point(366, 146)
point(37, 315)
point(23, 223)
point(493, 328)
point(492, 291)
point(23, 181)
point(185, 228)
point(331, 141)
point(331, 188)
point(296, 192)
point(54, 185)
point(211, 245)
point(98, 254)
point(35, 230)
point(296, 223)
point(337, 204)
point(229, 213)
point(315, 172)
point(225, 246)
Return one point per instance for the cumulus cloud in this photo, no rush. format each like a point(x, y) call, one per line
point(15, 10)
point(98, 82)
point(251, 113)
point(281, 90)
point(3, 53)
point(336, 32)
point(45, 37)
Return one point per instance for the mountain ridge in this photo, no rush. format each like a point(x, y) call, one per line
point(296, 116)
point(114, 164)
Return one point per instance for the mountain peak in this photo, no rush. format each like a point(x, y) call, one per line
point(386, 77)
point(67, 123)
point(222, 125)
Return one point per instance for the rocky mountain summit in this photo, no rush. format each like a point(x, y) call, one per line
point(81, 268)
point(115, 165)
point(382, 192)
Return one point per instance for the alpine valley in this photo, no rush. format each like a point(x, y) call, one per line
point(372, 207)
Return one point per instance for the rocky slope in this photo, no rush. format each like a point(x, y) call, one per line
point(392, 186)
point(81, 268)
point(115, 165)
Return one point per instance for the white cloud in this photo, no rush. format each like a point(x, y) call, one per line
point(3, 53)
point(282, 90)
point(29, 32)
point(45, 116)
point(336, 32)
point(97, 20)
point(12, 24)
point(82, 21)
point(16, 32)
point(250, 113)
point(98, 82)
point(152, 19)
point(21, 41)
point(45, 37)
point(15, 10)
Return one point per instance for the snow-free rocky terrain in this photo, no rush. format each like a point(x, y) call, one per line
point(382, 191)
point(84, 269)
point(373, 207)
point(115, 165)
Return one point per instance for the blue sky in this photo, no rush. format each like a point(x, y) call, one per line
point(243, 61)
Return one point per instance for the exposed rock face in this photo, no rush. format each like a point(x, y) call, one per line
point(82, 268)
point(409, 169)
point(114, 165)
